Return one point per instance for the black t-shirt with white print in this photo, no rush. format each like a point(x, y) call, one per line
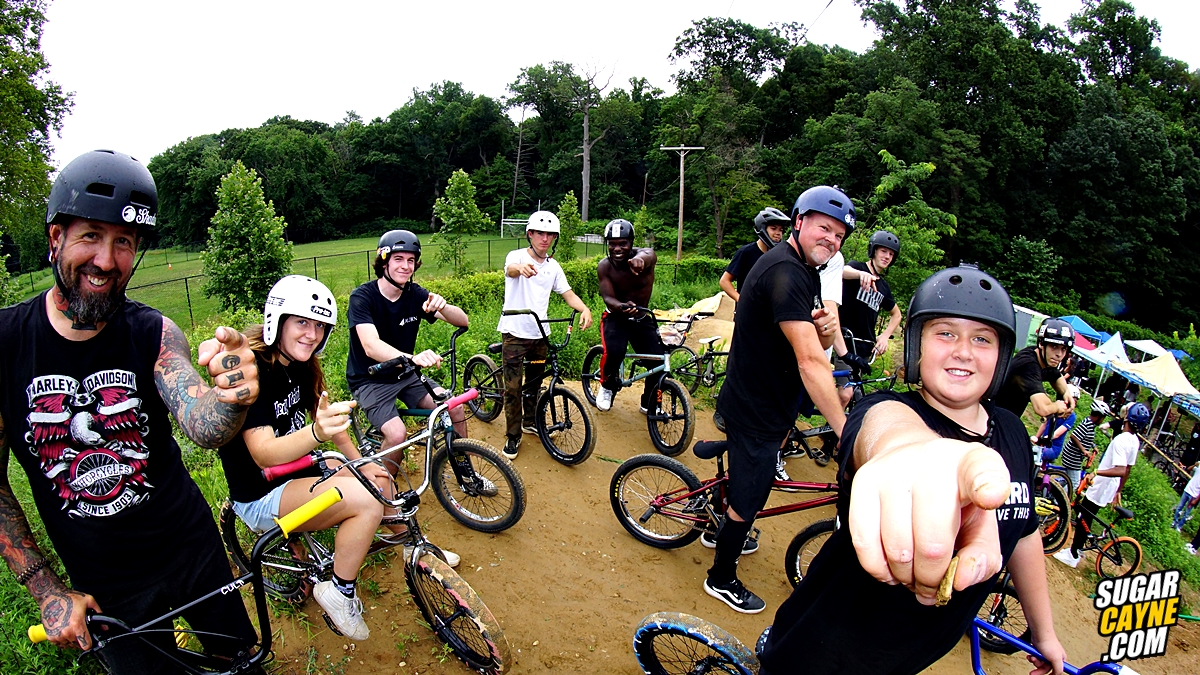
point(284, 399)
point(860, 308)
point(397, 323)
point(1024, 379)
point(841, 620)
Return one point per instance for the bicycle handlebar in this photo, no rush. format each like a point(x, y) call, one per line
point(272, 472)
point(377, 368)
point(468, 395)
point(570, 321)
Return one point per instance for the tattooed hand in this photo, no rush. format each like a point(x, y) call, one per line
point(231, 365)
point(64, 615)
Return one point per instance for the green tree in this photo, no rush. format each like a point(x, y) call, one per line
point(1028, 271)
point(246, 252)
point(460, 217)
point(571, 226)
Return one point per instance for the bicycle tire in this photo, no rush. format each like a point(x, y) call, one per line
point(804, 547)
point(281, 576)
point(565, 426)
point(366, 436)
point(634, 486)
point(457, 615)
point(590, 377)
point(685, 367)
point(1120, 557)
point(1002, 609)
point(482, 374)
point(479, 511)
point(674, 421)
point(1056, 526)
point(672, 643)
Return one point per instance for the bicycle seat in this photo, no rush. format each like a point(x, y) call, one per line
point(709, 449)
point(1123, 513)
point(709, 340)
point(495, 347)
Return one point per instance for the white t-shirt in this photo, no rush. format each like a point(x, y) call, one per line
point(530, 293)
point(831, 285)
point(1123, 451)
point(1193, 486)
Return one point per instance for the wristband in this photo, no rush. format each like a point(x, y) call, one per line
point(24, 577)
point(313, 428)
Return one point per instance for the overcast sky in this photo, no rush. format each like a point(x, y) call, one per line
point(147, 74)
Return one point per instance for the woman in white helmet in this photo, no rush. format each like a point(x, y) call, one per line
point(299, 315)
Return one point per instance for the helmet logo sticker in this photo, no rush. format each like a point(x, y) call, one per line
point(140, 216)
point(850, 219)
point(129, 214)
point(275, 300)
point(321, 311)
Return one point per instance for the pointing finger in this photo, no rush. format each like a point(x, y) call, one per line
point(324, 402)
point(983, 479)
point(229, 338)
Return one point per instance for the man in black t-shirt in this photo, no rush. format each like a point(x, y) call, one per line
point(778, 355)
point(385, 316)
point(1036, 364)
point(87, 380)
point(769, 225)
point(861, 304)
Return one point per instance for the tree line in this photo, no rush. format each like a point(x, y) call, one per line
point(1065, 161)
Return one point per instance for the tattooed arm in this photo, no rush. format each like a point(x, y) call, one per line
point(63, 610)
point(210, 416)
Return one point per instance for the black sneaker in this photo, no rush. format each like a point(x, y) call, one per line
point(511, 446)
point(709, 540)
point(738, 597)
point(719, 421)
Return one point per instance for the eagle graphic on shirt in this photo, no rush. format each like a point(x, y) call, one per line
point(90, 440)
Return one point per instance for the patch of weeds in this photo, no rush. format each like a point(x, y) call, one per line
point(403, 640)
point(314, 664)
point(442, 652)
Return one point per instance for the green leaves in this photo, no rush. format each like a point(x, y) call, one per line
point(460, 216)
point(246, 252)
point(571, 226)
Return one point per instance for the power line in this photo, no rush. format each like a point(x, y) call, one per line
point(807, 28)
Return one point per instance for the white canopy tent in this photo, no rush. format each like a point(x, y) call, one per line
point(1105, 356)
point(1148, 347)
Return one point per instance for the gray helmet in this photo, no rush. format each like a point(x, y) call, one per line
point(618, 229)
point(1055, 332)
point(828, 200)
point(883, 239)
point(769, 216)
point(106, 186)
point(969, 293)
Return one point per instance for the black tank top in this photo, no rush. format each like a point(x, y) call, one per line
point(85, 421)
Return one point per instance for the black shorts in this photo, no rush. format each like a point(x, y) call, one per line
point(752, 463)
point(378, 399)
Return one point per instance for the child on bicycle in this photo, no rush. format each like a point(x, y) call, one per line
point(1110, 477)
point(299, 315)
point(530, 274)
point(925, 475)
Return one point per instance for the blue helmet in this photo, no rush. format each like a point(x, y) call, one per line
point(828, 200)
point(1138, 415)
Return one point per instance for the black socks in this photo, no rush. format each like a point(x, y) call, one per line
point(730, 538)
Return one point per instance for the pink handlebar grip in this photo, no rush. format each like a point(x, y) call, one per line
point(468, 395)
point(272, 472)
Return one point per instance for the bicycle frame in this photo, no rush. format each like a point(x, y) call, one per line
point(555, 373)
point(977, 665)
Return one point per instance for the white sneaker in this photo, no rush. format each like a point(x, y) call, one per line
point(1064, 556)
point(604, 398)
point(452, 558)
point(344, 613)
point(1189, 548)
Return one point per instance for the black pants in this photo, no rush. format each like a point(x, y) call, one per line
point(199, 572)
point(618, 332)
point(1087, 511)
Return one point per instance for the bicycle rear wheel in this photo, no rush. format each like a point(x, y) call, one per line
point(671, 643)
point(1003, 610)
point(493, 499)
point(642, 479)
point(455, 612)
point(1053, 509)
point(285, 574)
point(804, 547)
point(673, 422)
point(1120, 557)
point(565, 426)
point(482, 374)
point(590, 377)
point(685, 367)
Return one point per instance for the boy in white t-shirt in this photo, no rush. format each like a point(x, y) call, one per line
point(1110, 477)
point(530, 274)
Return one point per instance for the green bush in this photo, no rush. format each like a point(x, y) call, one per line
point(1149, 495)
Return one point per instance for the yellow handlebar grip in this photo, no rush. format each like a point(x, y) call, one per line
point(37, 634)
point(308, 510)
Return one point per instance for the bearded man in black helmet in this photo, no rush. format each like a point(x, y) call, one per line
point(87, 379)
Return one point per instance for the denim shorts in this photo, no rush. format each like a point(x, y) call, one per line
point(260, 515)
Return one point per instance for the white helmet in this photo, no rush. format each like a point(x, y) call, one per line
point(543, 221)
point(300, 296)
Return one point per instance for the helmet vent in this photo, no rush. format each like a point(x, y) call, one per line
point(836, 203)
point(315, 296)
point(985, 284)
point(140, 198)
point(101, 189)
point(956, 280)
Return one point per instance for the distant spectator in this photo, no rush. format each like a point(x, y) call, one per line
point(1048, 443)
point(1187, 501)
point(1081, 447)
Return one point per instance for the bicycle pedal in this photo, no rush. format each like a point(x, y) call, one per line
point(329, 622)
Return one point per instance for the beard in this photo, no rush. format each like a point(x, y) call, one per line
point(87, 307)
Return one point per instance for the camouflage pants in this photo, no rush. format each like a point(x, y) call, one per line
point(520, 403)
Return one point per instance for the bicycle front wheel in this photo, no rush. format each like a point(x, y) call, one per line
point(482, 374)
point(1120, 557)
point(673, 422)
point(1003, 610)
point(591, 377)
point(685, 367)
point(283, 567)
point(565, 426)
point(1053, 508)
point(492, 496)
point(804, 547)
point(671, 643)
point(635, 486)
point(455, 612)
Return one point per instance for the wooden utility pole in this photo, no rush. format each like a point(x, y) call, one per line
point(683, 150)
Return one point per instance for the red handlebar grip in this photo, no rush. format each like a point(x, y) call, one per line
point(272, 472)
point(468, 395)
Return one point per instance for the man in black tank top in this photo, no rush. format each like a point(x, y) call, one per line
point(87, 380)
